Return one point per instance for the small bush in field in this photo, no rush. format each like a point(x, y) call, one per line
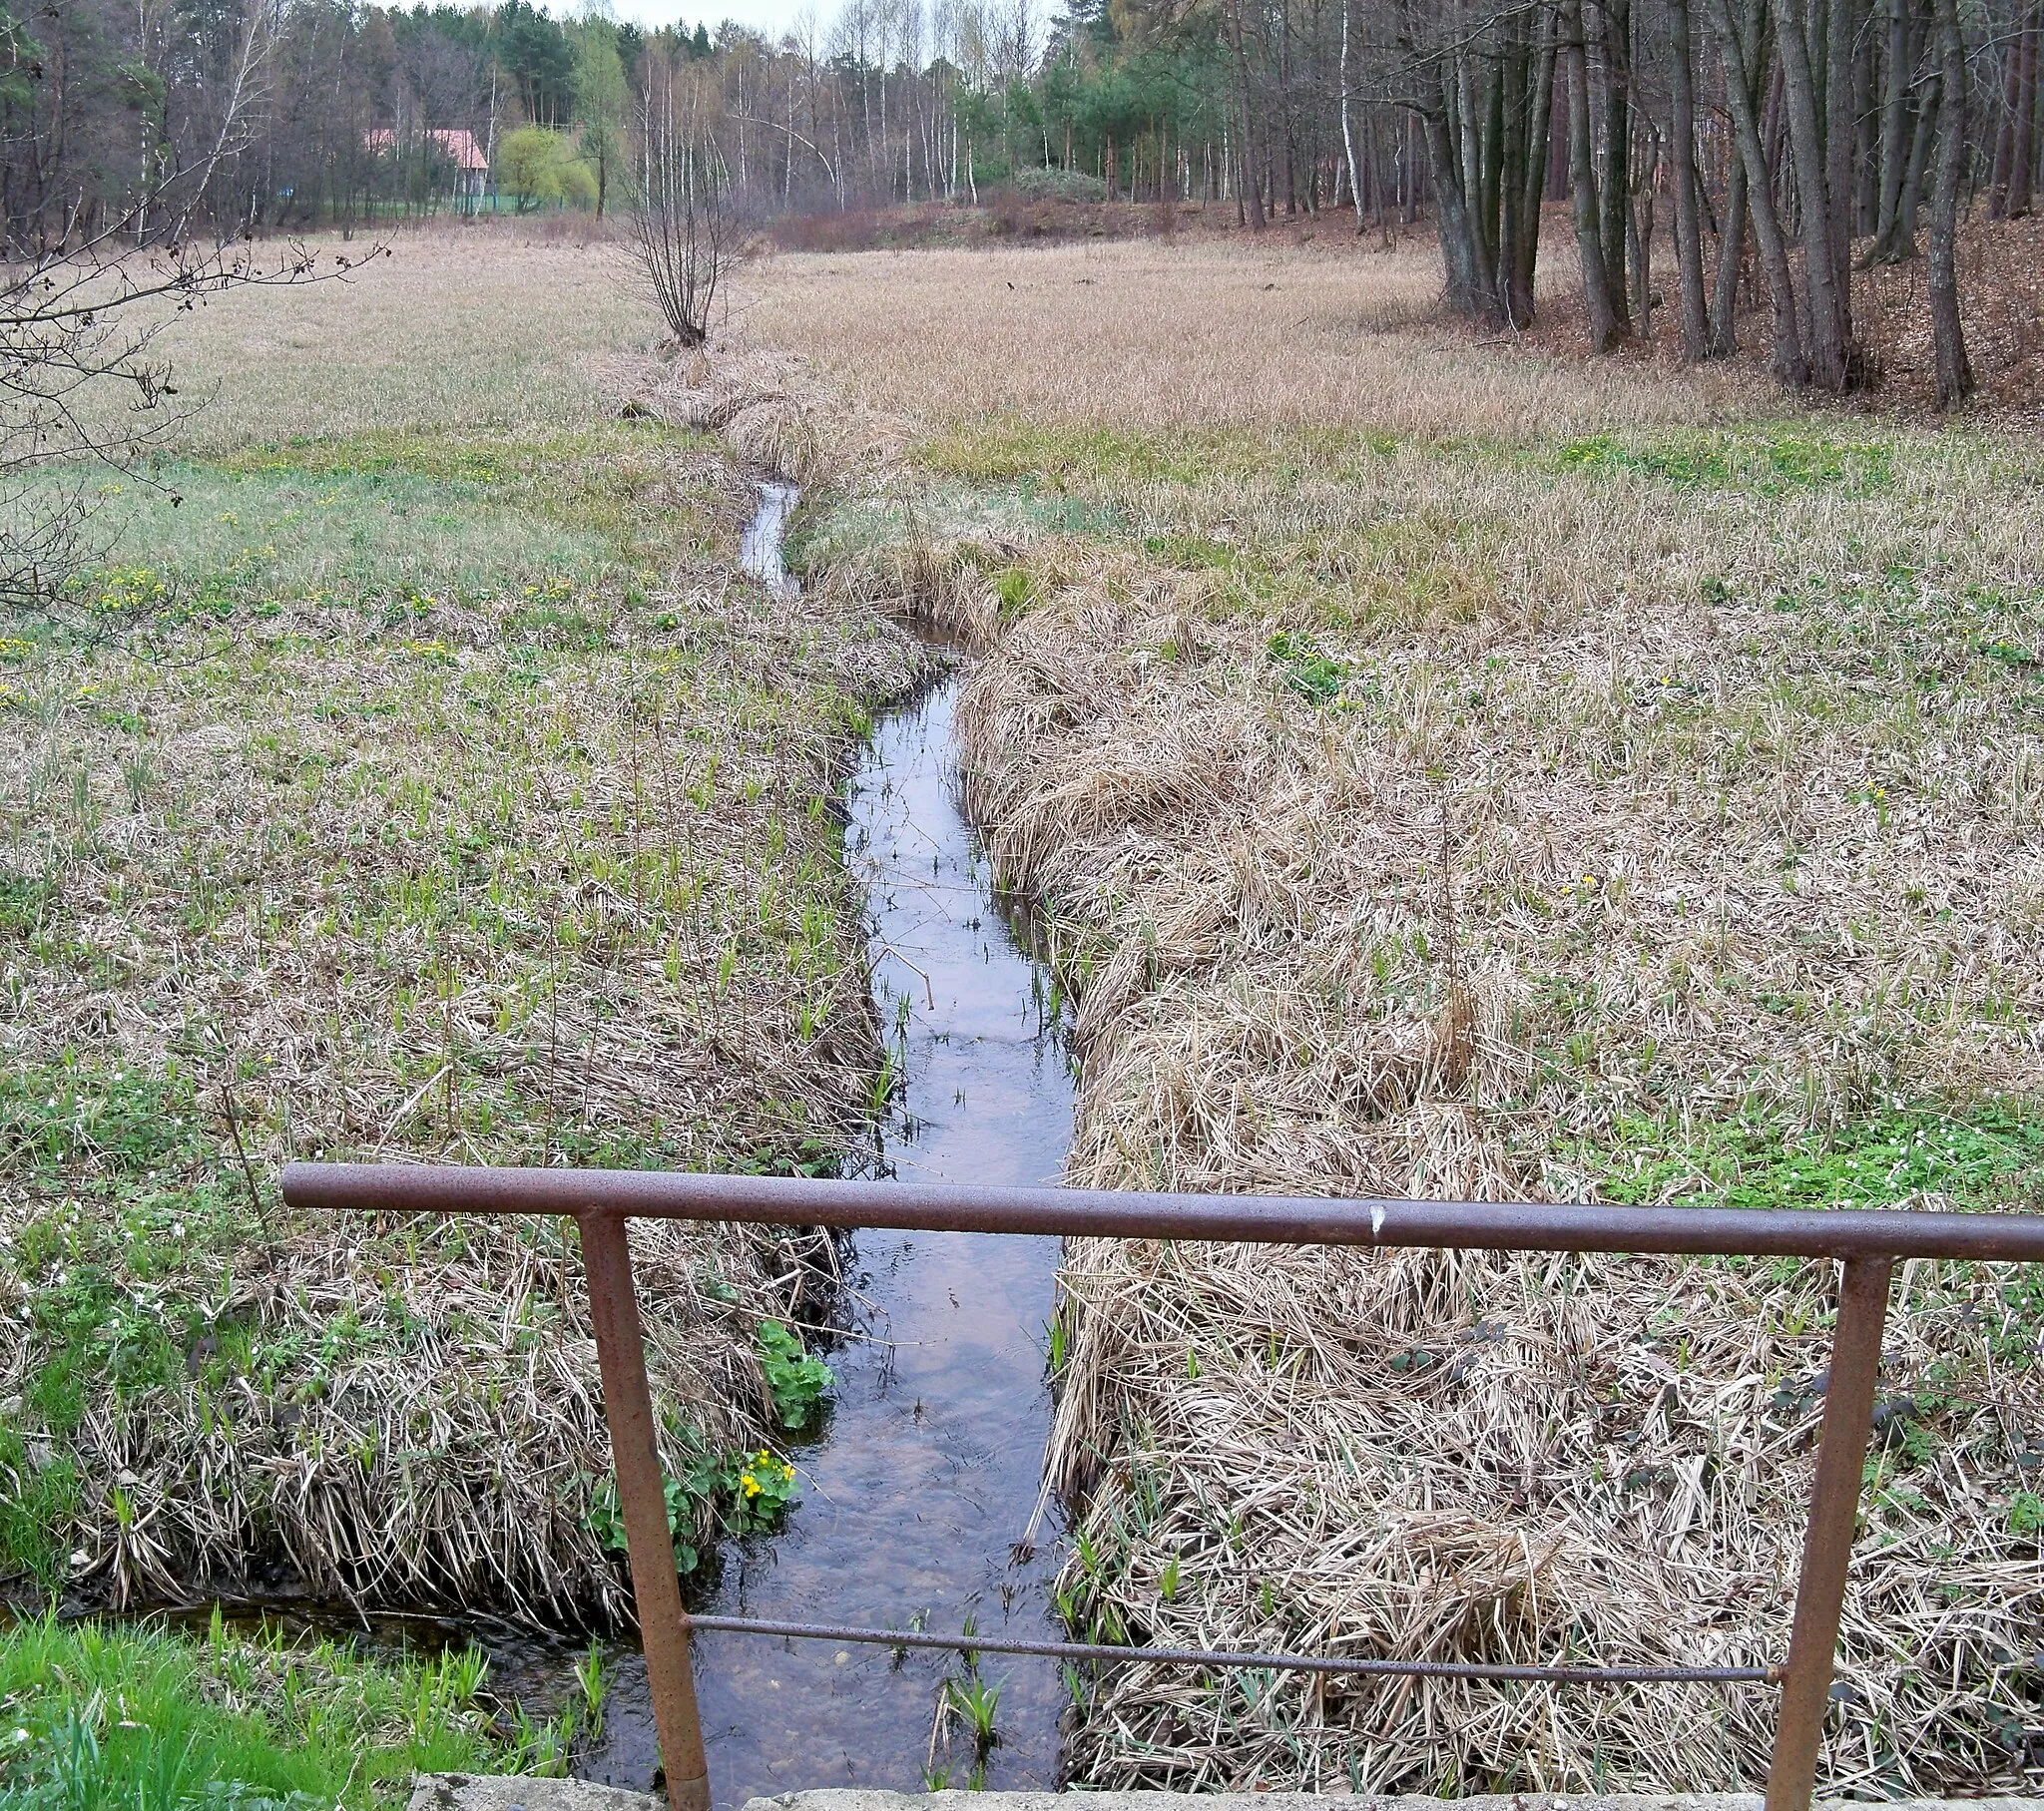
point(1059, 185)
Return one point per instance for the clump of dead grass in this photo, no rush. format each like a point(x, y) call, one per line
point(1433, 909)
point(769, 408)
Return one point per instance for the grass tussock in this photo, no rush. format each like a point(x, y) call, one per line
point(1493, 911)
point(429, 795)
point(1450, 773)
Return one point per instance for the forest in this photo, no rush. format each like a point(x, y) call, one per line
point(1767, 147)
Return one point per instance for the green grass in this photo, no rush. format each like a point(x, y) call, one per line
point(94, 1717)
point(39, 1496)
point(1767, 460)
point(1983, 1157)
point(393, 525)
point(1009, 449)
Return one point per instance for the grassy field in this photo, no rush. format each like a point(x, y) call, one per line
point(1457, 770)
point(412, 775)
point(1447, 767)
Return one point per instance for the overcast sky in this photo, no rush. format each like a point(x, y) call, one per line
point(769, 16)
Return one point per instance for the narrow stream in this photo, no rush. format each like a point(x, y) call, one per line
point(919, 1493)
point(918, 1496)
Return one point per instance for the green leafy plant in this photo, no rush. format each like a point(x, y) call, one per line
point(1314, 675)
point(593, 1678)
point(39, 1497)
point(1012, 586)
point(766, 1490)
point(796, 1382)
point(606, 1518)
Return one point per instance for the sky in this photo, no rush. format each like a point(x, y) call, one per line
point(769, 16)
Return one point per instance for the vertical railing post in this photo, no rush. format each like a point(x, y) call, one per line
point(1827, 1543)
point(635, 1452)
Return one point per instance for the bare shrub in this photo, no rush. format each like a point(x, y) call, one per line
point(685, 232)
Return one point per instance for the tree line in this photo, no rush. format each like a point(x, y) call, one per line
point(1749, 156)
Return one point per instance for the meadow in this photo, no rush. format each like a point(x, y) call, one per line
point(1444, 766)
point(412, 773)
point(1452, 767)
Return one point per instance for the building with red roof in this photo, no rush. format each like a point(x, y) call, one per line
point(458, 145)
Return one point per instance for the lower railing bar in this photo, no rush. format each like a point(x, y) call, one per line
point(1277, 1662)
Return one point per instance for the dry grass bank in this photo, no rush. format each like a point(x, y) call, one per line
point(1454, 772)
point(426, 783)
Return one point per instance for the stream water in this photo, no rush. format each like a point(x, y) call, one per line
point(917, 1498)
point(920, 1490)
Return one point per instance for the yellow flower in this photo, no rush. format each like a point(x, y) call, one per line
point(788, 1474)
point(750, 1485)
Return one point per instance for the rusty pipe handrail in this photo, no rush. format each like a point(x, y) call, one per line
point(1114, 1214)
point(1868, 1243)
point(1122, 1654)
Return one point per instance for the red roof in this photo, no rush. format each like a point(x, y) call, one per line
point(456, 142)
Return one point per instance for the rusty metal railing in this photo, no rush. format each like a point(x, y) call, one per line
point(1866, 1244)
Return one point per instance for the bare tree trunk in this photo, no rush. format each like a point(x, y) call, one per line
point(1460, 253)
point(1601, 318)
point(1866, 118)
point(1742, 73)
point(1806, 142)
point(2005, 137)
point(1954, 369)
point(2022, 154)
point(1894, 128)
point(1639, 239)
point(1921, 142)
point(1252, 176)
point(1614, 173)
point(1731, 236)
point(1840, 138)
point(1347, 131)
point(1689, 235)
point(1533, 177)
point(1731, 263)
